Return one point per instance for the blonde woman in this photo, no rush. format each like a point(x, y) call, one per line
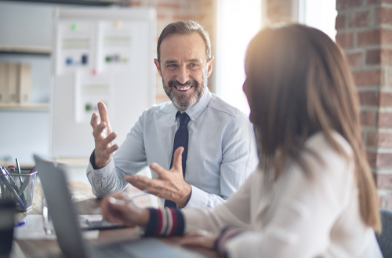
point(313, 194)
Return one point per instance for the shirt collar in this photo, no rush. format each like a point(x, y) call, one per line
point(194, 111)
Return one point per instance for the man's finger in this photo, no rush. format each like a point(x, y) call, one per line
point(98, 131)
point(94, 120)
point(108, 140)
point(161, 172)
point(103, 113)
point(177, 159)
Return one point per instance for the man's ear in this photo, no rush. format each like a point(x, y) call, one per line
point(209, 66)
point(156, 62)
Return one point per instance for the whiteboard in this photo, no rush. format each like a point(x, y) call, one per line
point(100, 55)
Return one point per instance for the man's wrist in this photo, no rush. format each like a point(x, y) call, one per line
point(186, 197)
point(96, 162)
point(144, 218)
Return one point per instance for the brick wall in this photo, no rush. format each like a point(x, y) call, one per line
point(364, 31)
point(168, 11)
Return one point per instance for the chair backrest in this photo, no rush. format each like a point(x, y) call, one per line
point(385, 238)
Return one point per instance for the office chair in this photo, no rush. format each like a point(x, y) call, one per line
point(385, 238)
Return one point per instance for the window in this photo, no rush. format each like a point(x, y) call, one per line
point(238, 22)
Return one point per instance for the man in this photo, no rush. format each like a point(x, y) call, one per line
point(219, 151)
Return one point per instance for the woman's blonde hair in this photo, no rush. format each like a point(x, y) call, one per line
point(301, 84)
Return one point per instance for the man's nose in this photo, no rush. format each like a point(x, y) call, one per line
point(183, 75)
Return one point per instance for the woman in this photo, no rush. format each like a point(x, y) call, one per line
point(313, 194)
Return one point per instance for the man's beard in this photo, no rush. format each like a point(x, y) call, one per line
point(182, 101)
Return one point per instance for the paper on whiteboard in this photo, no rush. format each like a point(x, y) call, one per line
point(75, 46)
point(89, 90)
point(116, 44)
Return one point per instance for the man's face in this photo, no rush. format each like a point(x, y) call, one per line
point(184, 68)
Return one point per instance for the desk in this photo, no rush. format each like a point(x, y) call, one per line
point(85, 203)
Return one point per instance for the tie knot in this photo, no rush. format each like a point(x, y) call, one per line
point(184, 118)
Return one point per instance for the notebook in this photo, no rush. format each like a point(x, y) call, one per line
point(68, 232)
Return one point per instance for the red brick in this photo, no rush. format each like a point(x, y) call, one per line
point(369, 38)
point(367, 118)
point(385, 119)
point(369, 77)
point(385, 99)
point(379, 1)
point(371, 157)
point(359, 19)
point(383, 15)
point(386, 37)
point(385, 140)
point(373, 56)
point(344, 4)
point(384, 181)
point(376, 139)
point(372, 139)
point(345, 40)
point(369, 98)
point(178, 17)
point(340, 22)
point(168, 5)
point(379, 57)
point(384, 160)
point(354, 59)
point(161, 16)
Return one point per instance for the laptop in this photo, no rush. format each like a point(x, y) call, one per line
point(68, 231)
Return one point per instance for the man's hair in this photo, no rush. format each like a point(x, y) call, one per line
point(183, 28)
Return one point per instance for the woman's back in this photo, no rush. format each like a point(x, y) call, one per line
point(315, 213)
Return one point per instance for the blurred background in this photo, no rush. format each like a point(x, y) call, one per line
point(363, 28)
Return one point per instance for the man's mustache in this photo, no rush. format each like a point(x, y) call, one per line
point(188, 83)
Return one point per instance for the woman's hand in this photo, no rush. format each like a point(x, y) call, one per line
point(116, 209)
point(200, 239)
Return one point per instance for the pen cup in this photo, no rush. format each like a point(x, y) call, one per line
point(19, 188)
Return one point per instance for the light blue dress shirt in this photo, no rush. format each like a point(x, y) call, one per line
point(221, 150)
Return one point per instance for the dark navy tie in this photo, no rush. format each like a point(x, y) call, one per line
point(180, 140)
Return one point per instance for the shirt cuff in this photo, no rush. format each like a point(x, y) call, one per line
point(198, 199)
point(165, 222)
point(102, 172)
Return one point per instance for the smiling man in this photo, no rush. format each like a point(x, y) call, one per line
point(215, 140)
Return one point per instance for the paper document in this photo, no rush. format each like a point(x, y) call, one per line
point(34, 229)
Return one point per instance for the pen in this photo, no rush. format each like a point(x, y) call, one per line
point(129, 198)
point(20, 223)
point(12, 189)
point(20, 179)
point(34, 169)
point(9, 178)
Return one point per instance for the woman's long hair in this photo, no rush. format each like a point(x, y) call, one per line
point(300, 84)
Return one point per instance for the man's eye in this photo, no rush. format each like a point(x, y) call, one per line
point(171, 65)
point(193, 65)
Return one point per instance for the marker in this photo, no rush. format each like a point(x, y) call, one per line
point(12, 189)
point(20, 223)
point(20, 179)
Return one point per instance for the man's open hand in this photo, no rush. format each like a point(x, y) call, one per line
point(169, 185)
point(103, 137)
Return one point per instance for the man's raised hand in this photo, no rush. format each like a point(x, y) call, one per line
point(103, 137)
point(169, 185)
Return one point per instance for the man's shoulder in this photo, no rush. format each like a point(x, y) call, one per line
point(165, 107)
point(222, 106)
